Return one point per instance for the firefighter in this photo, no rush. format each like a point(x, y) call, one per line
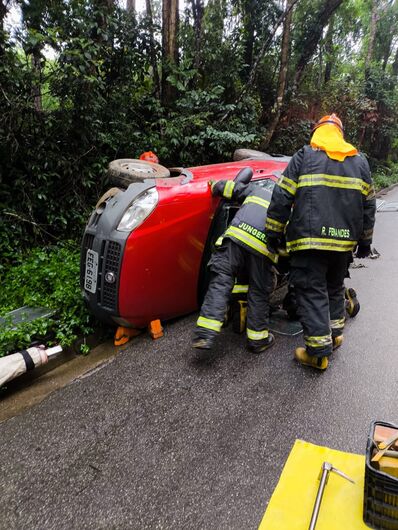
point(242, 248)
point(325, 203)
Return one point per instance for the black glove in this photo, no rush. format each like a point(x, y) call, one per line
point(217, 187)
point(363, 251)
point(273, 243)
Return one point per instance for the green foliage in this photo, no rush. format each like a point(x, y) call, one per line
point(45, 277)
point(384, 175)
point(99, 100)
point(292, 137)
point(194, 133)
point(54, 160)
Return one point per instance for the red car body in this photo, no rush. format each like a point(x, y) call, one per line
point(156, 269)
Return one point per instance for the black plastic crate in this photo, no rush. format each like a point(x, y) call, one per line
point(380, 501)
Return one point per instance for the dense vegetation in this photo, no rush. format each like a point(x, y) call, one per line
point(83, 82)
point(46, 278)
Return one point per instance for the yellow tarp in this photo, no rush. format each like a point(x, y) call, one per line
point(292, 502)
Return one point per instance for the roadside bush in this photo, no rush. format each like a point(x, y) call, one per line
point(45, 277)
point(384, 176)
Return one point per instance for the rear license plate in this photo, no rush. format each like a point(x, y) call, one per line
point(90, 278)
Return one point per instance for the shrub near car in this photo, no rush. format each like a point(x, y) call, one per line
point(147, 243)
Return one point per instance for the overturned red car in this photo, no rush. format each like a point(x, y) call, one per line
point(148, 241)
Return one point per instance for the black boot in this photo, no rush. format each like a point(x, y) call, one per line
point(259, 348)
point(203, 343)
point(352, 305)
point(203, 348)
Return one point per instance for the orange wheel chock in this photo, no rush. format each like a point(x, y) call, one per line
point(155, 329)
point(124, 334)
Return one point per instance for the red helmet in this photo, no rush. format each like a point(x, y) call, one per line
point(332, 118)
point(149, 156)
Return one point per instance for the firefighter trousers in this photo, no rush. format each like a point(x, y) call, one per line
point(318, 280)
point(226, 263)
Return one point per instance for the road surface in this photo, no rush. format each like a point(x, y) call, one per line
point(154, 441)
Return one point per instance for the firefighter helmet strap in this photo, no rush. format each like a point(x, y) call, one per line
point(328, 121)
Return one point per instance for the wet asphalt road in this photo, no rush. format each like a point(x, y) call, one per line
point(155, 441)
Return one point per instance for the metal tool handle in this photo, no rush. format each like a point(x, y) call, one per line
point(326, 468)
point(53, 351)
point(319, 495)
point(343, 475)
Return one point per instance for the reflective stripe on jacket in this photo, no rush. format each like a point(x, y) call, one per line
point(322, 203)
point(247, 227)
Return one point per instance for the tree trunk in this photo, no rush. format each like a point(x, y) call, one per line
point(33, 15)
point(372, 37)
point(197, 13)
point(155, 71)
point(169, 47)
point(3, 14)
point(387, 53)
point(280, 94)
point(248, 32)
point(130, 6)
point(329, 51)
point(104, 8)
point(109, 5)
point(320, 69)
point(313, 37)
point(395, 64)
point(36, 89)
point(259, 57)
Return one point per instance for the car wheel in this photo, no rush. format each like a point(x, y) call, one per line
point(124, 171)
point(242, 154)
point(252, 154)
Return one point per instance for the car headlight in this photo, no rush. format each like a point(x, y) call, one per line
point(139, 210)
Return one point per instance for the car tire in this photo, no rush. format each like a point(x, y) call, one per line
point(252, 154)
point(243, 154)
point(124, 171)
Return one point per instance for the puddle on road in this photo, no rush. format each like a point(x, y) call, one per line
point(278, 323)
point(93, 371)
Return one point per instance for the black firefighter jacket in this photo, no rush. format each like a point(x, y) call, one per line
point(247, 227)
point(323, 204)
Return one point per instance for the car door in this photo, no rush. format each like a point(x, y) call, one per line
point(222, 218)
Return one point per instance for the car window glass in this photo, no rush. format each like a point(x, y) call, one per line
point(266, 184)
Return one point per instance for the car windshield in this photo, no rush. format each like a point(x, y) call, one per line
point(266, 184)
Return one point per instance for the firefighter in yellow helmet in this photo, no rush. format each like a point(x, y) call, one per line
point(325, 203)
